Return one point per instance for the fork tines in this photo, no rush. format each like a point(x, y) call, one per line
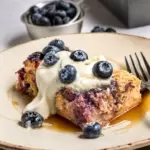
point(137, 67)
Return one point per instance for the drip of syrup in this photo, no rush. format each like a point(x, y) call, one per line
point(15, 103)
point(137, 114)
point(134, 116)
point(60, 124)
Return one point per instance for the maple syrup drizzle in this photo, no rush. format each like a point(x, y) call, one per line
point(15, 103)
point(134, 116)
point(60, 124)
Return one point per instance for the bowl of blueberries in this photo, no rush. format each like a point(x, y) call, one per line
point(54, 17)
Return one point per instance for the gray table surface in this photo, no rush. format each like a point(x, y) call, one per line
point(13, 31)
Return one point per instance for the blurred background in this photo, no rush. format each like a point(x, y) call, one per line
point(13, 31)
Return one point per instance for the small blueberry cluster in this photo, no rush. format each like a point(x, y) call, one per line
point(101, 29)
point(54, 13)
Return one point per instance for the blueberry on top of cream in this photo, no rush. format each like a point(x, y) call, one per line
point(102, 69)
point(68, 74)
point(50, 48)
point(50, 59)
point(58, 43)
point(78, 55)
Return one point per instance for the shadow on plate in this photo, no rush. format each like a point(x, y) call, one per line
point(18, 39)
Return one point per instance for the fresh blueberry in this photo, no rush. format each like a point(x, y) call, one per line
point(44, 11)
point(78, 55)
point(44, 21)
point(57, 20)
point(50, 59)
point(36, 18)
point(61, 13)
point(91, 131)
point(36, 56)
point(50, 6)
point(102, 69)
point(68, 74)
point(58, 43)
point(34, 9)
point(98, 29)
point(51, 15)
point(31, 119)
point(66, 20)
point(71, 12)
point(50, 48)
point(51, 11)
point(63, 5)
point(110, 30)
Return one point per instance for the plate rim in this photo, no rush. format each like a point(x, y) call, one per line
point(136, 144)
point(85, 33)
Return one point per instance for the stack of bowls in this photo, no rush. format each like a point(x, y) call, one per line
point(40, 31)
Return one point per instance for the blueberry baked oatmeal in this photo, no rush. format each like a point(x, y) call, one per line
point(89, 92)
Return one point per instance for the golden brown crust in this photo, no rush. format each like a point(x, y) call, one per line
point(129, 91)
point(26, 78)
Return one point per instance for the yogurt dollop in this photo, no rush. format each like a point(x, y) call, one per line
point(48, 82)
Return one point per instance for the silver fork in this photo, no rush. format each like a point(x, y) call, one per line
point(144, 76)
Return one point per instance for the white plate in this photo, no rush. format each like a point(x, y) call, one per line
point(13, 136)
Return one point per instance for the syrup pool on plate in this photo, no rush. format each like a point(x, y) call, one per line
point(60, 124)
point(137, 114)
point(134, 116)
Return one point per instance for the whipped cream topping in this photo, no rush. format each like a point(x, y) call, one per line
point(48, 82)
